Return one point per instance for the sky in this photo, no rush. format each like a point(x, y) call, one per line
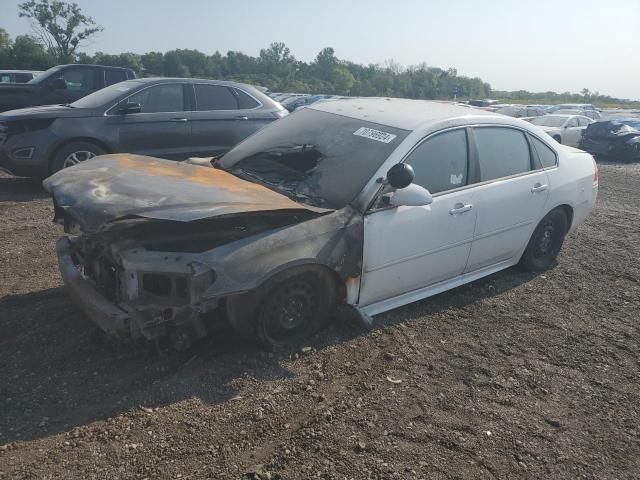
point(535, 45)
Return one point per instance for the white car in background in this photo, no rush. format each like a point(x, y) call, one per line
point(565, 129)
point(361, 205)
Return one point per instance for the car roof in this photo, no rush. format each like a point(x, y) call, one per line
point(398, 112)
point(92, 65)
point(191, 80)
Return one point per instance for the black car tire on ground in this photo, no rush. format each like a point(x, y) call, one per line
point(286, 309)
point(557, 138)
point(546, 242)
point(82, 150)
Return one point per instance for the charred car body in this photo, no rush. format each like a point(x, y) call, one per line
point(617, 139)
point(363, 204)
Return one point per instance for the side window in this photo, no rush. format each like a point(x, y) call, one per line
point(245, 101)
point(23, 77)
point(79, 79)
point(572, 123)
point(5, 78)
point(583, 122)
point(114, 76)
point(160, 98)
point(440, 162)
point(502, 152)
point(214, 97)
point(546, 155)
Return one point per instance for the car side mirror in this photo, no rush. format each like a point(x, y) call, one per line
point(58, 84)
point(411, 196)
point(129, 107)
point(400, 175)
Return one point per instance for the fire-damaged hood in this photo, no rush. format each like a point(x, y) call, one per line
point(114, 187)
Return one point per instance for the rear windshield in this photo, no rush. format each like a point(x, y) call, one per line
point(313, 157)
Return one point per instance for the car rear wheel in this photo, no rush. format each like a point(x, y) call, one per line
point(546, 242)
point(557, 138)
point(285, 310)
point(74, 153)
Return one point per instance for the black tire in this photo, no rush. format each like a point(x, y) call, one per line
point(285, 310)
point(557, 138)
point(82, 151)
point(546, 242)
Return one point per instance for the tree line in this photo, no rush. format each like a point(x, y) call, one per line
point(60, 29)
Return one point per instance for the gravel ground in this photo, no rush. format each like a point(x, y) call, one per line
point(514, 376)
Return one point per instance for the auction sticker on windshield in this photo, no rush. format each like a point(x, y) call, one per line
point(376, 135)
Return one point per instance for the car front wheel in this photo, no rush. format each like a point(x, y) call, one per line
point(74, 153)
point(286, 310)
point(546, 242)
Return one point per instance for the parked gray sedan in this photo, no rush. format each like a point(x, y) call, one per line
point(171, 118)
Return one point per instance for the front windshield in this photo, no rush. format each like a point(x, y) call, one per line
point(313, 157)
point(549, 121)
point(42, 77)
point(107, 95)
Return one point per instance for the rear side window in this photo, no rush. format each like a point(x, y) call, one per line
point(583, 122)
point(114, 76)
point(502, 152)
point(245, 101)
point(546, 155)
point(215, 97)
point(160, 98)
point(440, 162)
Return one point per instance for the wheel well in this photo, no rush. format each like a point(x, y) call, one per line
point(568, 211)
point(98, 143)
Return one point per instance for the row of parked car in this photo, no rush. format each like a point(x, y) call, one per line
point(92, 109)
point(578, 125)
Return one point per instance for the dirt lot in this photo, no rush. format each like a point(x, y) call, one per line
point(515, 376)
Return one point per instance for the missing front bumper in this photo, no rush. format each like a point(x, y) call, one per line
point(103, 313)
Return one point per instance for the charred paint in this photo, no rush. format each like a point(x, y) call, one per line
point(112, 187)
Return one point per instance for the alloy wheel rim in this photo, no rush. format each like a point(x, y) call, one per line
point(77, 157)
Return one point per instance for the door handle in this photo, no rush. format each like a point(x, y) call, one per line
point(242, 118)
point(459, 208)
point(179, 120)
point(539, 187)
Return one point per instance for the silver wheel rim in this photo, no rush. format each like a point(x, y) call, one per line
point(77, 157)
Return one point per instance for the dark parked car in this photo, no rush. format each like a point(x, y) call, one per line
point(61, 84)
point(617, 139)
point(18, 76)
point(171, 118)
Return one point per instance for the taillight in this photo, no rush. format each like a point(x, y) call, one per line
point(596, 173)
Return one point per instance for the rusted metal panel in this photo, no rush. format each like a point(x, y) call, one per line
point(119, 186)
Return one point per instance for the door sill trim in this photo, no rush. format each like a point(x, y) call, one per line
point(425, 292)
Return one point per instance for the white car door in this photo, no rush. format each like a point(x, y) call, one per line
point(407, 248)
point(511, 196)
point(572, 132)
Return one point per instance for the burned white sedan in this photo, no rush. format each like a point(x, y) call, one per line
point(353, 206)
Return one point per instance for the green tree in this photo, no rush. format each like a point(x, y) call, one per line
point(61, 26)
point(153, 64)
point(28, 53)
point(5, 41)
